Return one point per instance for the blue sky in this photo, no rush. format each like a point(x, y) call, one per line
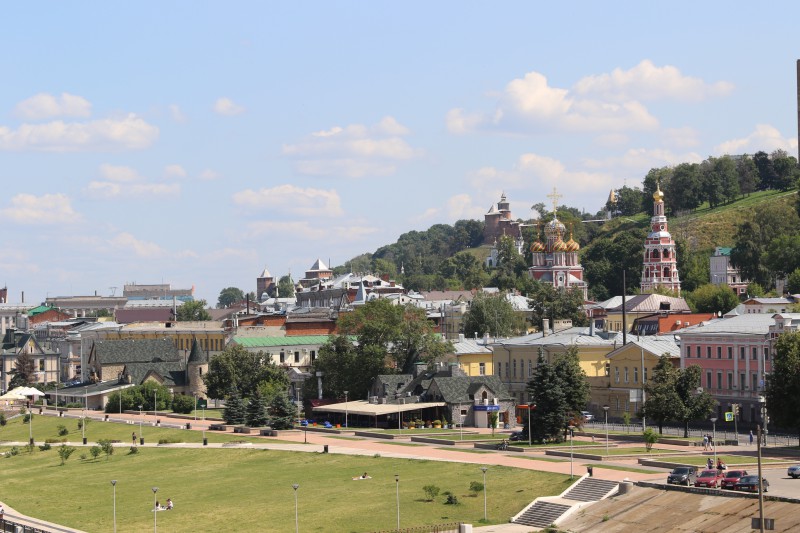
point(195, 143)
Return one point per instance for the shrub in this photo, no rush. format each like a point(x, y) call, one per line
point(650, 438)
point(83, 457)
point(74, 404)
point(26, 419)
point(431, 491)
point(134, 450)
point(44, 447)
point(475, 487)
point(451, 498)
point(82, 421)
point(13, 451)
point(626, 418)
point(62, 430)
point(3, 420)
point(183, 404)
point(95, 451)
point(54, 441)
point(107, 446)
point(437, 422)
point(171, 440)
point(30, 447)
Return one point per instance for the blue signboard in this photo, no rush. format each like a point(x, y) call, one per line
point(487, 407)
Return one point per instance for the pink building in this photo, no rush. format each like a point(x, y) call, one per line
point(735, 355)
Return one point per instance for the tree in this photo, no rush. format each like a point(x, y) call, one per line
point(257, 410)
point(23, 373)
point(747, 174)
point(685, 188)
point(662, 403)
point(793, 285)
point(650, 438)
point(559, 390)
point(64, 452)
point(766, 171)
point(553, 303)
point(194, 311)
point(782, 255)
point(234, 412)
point(629, 201)
point(431, 491)
point(107, 447)
point(786, 171)
point(237, 367)
point(283, 412)
point(783, 383)
point(712, 299)
point(183, 404)
point(696, 405)
point(285, 287)
point(229, 296)
point(494, 315)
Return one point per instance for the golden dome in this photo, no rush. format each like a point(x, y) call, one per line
point(537, 247)
point(658, 196)
point(559, 246)
point(571, 245)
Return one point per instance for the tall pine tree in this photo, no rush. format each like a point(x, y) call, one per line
point(235, 412)
point(283, 412)
point(257, 410)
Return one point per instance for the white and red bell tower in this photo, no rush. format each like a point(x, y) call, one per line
point(660, 262)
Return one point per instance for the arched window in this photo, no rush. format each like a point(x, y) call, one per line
point(666, 254)
point(666, 272)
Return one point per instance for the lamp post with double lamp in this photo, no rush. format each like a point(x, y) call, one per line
point(400, 414)
point(571, 432)
point(397, 485)
point(141, 435)
point(531, 407)
point(155, 407)
point(345, 408)
point(195, 407)
point(30, 424)
point(605, 408)
point(155, 510)
point(205, 440)
point(714, 438)
point(484, 469)
point(114, 485)
point(85, 407)
point(296, 523)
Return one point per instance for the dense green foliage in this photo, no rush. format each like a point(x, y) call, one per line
point(193, 311)
point(235, 410)
point(492, 314)
point(783, 383)
point(674, 395)
point(245, 370)
point(228, 296)
point(150, 395)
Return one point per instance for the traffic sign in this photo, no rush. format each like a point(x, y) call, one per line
point(729, 416)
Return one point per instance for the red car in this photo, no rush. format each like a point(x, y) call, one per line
point(709, 478)
point(732, 477)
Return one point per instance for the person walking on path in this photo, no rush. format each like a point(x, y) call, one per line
point(133, 439)
point(705, 442)
point(751, 437)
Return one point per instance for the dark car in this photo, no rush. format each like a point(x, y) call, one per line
point(750, 484)
point(683, 475)
point(709, 478)
point(732, 477)
point(518, 436)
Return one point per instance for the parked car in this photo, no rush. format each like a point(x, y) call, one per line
point(709, 478)
point(587, 416)
point(683, 475)
point(732, 477)
point(518, 436)
point(750, 484)
point(794, 471)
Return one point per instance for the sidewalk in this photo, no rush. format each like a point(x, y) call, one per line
point(11, 515)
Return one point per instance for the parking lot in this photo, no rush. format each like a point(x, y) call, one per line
point(780, 484)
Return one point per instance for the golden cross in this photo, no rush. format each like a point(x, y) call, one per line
point(555, 197)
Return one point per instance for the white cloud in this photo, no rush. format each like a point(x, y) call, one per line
point(637, 161)
point(176, 113)
point(126, 241)
point(119, 174)
point(128, 133)
point(685, 137)
point(47, 209)
point(44, 106)
point(226, 106)
point(208, 175)
point(461, 207)
point(291, 199)
point(353, 151)
point(174, 171)
point(646, 81)
point(306, 230)
point(764, 137)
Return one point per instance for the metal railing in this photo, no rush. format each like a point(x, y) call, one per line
point(436, 528)
point(772, 439)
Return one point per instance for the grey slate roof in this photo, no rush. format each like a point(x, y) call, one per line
point(172, 373)
point(197, 355)
point(749, 324)
point(457, 389)
point(135, 351)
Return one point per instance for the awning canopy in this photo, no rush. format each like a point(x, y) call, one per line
point(361, 407)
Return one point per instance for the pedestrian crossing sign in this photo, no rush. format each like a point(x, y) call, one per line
point(729, 416)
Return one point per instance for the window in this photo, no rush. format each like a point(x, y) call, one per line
point(313, 355)
point(41, 366)
point(755, 381)
point(730, 380)
point(719, 380)
point(708, 352)
point(697, 351)
point(481, 369)
point(507, 369)
point(626, 374)
point(635, 374)
point(617, 400)
point(515, 368)
point(283, 357)
point(709, 384)
point(766, 353)
point(741, 352)
point(644, 375)
point(689, 352)
point(742, 382)
point(608, 369)
point(296, 357)
point(719, 352)
point(499, 368)
point(730, 352)
point(755, 353)
point(616, 378)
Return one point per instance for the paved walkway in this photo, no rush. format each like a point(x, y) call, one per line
point(11, 515)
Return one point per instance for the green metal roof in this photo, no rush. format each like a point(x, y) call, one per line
point(266, 342)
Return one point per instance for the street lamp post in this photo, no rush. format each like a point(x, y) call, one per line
point(114, 485)
point(85, 407)
point(397, 485)
point(484, 469)
point(571, 428)
point(605, 408)
point(714, 437)
point(296, 523)
point(195, 407)
point(400, 414)
point(141, 435)
point(345, 408)
point(155, 402)
point(30, 424)
point(155, 511)
point(205, 441)
point(461, 425)
point(531, 407)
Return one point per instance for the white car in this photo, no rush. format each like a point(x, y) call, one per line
point(587, 416)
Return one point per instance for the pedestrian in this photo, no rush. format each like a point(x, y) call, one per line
point(133, 438)
point(705, 442)
point(710, 442)
point(710, 463)
point(751, 437)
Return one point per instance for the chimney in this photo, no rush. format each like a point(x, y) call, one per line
point(460, 337)
point(545, 326)
point(591, 327)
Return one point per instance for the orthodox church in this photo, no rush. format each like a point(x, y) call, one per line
point(660, 261)
point(555, 261)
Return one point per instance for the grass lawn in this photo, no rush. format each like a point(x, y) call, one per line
point(410, 432)
point(251, 490)
point(46, 427)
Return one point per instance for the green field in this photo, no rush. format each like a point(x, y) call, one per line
point(251, 490)
point(46, 427)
